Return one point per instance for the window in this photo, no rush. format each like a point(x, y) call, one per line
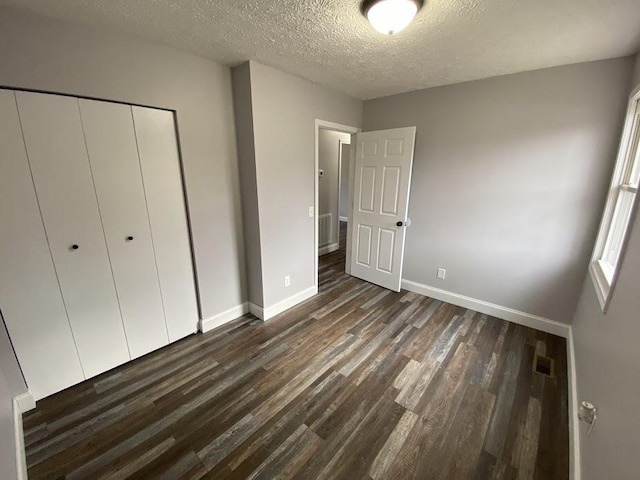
point(620, 208)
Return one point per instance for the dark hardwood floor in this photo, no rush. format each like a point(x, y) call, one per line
point(356, 383)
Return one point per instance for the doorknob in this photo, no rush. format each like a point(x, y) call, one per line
point(75, 247)
point(399, 224)
point(129, 238)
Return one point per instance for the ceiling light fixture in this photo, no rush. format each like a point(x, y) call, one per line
point(390, 16)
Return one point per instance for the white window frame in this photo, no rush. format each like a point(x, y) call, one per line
point(616, 222)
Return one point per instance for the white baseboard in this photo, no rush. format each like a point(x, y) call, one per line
point(21, 457)
point(574, 425)
point(505, 313)
point(220, 319)
point(256, 310)
point(344, 219)
point(332, 247)
point(287, 303)
point(26, 401)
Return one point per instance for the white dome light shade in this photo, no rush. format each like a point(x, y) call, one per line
point(391, 16)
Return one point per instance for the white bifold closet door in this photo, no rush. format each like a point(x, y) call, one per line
point(30, 298)
point(63, 182)
point(113, 155)
point(160, 162)
point(95, 256)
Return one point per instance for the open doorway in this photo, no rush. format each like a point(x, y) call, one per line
point(343, 182)
point(331, 200)
point(332, 193)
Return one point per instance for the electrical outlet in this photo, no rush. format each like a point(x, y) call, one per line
point(441, 273)
point(311, 212)
point(287, 281)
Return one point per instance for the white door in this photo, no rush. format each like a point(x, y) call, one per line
point(162, 178)
point(30, 297)
point(113, 155)
point(62, 176)
point(380, 203)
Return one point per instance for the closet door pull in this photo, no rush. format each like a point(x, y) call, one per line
point(129, 238)
point(75, 247)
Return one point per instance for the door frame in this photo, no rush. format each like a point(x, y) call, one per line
point(337, 127)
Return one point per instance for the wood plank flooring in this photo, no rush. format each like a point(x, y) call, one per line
point(356, 383)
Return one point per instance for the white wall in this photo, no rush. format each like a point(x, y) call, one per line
point(328, 185)
point(44, 54)
point(509, 177)
point(608, 366)
point(284, 112)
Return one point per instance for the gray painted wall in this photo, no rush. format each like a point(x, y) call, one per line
point(328, 185)
point(284, 112)
point(636, 71)
point(247, 163)
point(44, 54)
point(11, 384)
point(608, 367)
point(7, 438)
point(510, 174)
point(344, 183)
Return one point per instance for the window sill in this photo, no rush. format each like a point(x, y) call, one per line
point(600, 284)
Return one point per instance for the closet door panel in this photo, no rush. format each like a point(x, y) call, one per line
point(162, 177)
point(64, 186)
point(30, 297)
point(113, 155)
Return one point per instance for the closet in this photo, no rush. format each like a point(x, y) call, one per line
point(95, 260)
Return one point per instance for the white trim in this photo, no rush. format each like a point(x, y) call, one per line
point(344, 219)
point(256, 310)
point(574, 426)
point(210, 323)
point(332, 247)
point(287, 303)
point(324, 125)
point(26, 401)
point(352, 176)
point(21, 457)
point(340, 199)
point(505, 313)
point(600, 284)
point(605, 293)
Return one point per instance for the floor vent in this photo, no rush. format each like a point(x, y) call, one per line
point(544, 366)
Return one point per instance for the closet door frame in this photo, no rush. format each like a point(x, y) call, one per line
point(185, 198)
point(176, 123)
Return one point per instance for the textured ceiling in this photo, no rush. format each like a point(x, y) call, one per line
point(330, 43)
